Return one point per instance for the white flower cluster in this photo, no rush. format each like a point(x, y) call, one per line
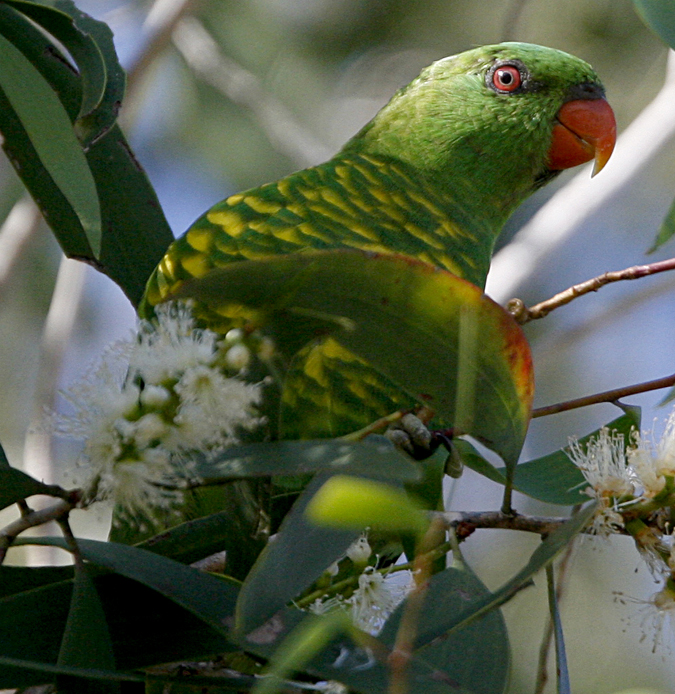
point(620, 476)
point(377, 596)
point(171, 390)
point(635, 490)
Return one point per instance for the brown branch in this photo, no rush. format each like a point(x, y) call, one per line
point(607, 396)
point(465, 522)
point(522, 314)
point(56, 512)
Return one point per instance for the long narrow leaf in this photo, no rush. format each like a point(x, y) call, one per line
point(50, 131)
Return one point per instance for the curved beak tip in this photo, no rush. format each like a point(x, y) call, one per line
point(585, 130)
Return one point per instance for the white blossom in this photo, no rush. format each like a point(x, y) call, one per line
point(377, 597)
point(359, 551)
point(602, 461)
point(152, 401)
point(654, 461)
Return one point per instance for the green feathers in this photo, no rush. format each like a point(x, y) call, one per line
point(434, 176)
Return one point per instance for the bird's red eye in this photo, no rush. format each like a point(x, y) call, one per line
point(506, 78)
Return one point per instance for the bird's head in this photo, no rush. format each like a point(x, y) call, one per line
point(495, 123)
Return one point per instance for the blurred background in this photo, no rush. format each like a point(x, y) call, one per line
point(228, 94)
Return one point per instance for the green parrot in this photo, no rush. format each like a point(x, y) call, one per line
point(434, 176)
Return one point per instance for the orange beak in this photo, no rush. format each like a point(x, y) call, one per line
point(585, 129)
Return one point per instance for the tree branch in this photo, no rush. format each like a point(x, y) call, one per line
point(465, 522)
point(56, 512)
point(523, 315)
point(607, 396)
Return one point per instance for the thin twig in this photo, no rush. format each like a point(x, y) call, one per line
point(607, 396)
point(523, 315)
point(69, 537)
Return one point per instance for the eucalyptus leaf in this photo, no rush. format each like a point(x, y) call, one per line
point(50, 131)
point(86, 639)
point(562, 672)
point(477, 657)
point(300, 552)
point(16, 485)
point(555, 479)
point(90, 43)
point(411, 321)
point(375, 455)
point(207, 597)
point(126, 196)
point(666, 230)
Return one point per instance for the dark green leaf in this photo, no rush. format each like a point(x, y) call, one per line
point(555, 479)
point(477, 656)
point(207, 597)
point(86, 641)
point(659, 16)
point(18, 579)
point(47, 125)
point(4, 462)
point(16, 485)
point(475, 461)
point(127, 255)
point(146, 629)
point(376, 455)
point(439, 337)
point(541, 557)
point(299, 554)
point(90, 43)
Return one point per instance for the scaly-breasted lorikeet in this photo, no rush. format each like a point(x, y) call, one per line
point(434, 176)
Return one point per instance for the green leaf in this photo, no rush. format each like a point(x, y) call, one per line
point(145, 627)
point(16, 485)
point(437, 336)
point(375, 455)
point(308, 639)
point(555, 479)
point(475, 461)
point(352, 663)
point(666, 230)
point(541, 557)
point(207, 597)
point(299, 554)
point(86, 641)
point(475, 657)
point(50, 131)
point(659, 16)
point(346, 501)
point(90, 43)
point(128, 201)
point(18, 579)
